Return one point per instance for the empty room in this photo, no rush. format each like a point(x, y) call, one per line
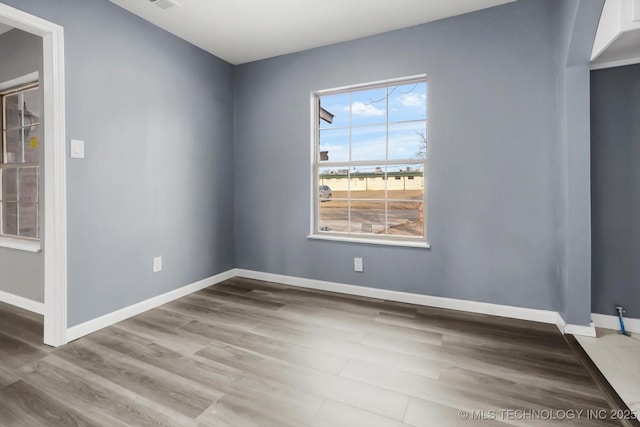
point(319, 213)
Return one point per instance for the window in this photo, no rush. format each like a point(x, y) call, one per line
point(20, 163)
point(370, 162)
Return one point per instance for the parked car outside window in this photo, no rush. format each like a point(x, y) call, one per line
point(325, 193)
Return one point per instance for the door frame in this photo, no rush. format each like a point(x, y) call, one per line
point(54, 237)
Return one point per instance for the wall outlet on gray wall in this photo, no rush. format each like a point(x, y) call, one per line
point(157, 264)
point(357, 265)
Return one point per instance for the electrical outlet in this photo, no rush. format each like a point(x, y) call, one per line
point(157, 264)
point(357, 265)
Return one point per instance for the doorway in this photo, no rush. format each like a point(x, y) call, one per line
point(53, 239)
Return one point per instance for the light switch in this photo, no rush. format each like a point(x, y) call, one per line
point(77, 149)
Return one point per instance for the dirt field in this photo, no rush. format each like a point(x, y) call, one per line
point(379, 195)
point(403, 215)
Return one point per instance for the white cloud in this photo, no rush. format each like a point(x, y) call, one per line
point(370, 149)
point(361, 109)
point(412, 99)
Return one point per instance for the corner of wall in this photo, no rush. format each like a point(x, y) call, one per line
point(577, 24)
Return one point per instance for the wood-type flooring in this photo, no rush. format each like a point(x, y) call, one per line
point(249, 353)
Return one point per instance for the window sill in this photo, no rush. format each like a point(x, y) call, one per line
point(21, 245)
point(402, 243)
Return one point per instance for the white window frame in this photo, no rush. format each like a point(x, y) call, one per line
point(354, 237)
point(10, 241)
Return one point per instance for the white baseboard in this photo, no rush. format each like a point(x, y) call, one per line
point(96, 324)
point(560, 323)
point(535, 315)
point(543, 316)
point(611, 322)
point(585, 331)
point(24, 303)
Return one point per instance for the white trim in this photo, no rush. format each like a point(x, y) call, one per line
point(19, 81)
point(20, 244)
point(543, 316)
point(585, 331)
point(609, 27)
point(24, 303)
point(96, 324)
point(611, 322)
point(55, 190)
point(55, 197)
point(617, 63)
point(312, 167)
point(560, 323)
point(371, 85)
point(407, 243)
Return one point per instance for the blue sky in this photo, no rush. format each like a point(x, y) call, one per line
point(368, 111)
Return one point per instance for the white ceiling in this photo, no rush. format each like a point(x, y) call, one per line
point(240, 31)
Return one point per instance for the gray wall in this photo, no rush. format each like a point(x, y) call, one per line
point(21, 273)
point(578, 21)
point(156, 114)
point(496, 197)
point(615, 184)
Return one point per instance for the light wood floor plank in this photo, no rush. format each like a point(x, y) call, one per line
point(31, 407)
point(354, 350)
point(162, 386)
point(336, 414)
point(425, 413)
point(98, 397)
point(272, 347)
point(231, 411)
point(381, 401)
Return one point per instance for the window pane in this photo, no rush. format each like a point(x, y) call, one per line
point(367, 182)
point(13, 146)
point(405, 218)
point(28, 185)
point(9, 185)
point(338, 106)
point(13, 112)
point(32, 103)
point(336, 178)
point(403, 181)
point(367, 217)
point(334, 216)
point(413, 189)
point(32, 144)
point(339, 194)
point(369, 107)
point(337, 181)
point(407, 140)
point(408, 102)
point(369, 143)
point(10, 218)
point(28, 219)
point(334, 189)
point(334, 145)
